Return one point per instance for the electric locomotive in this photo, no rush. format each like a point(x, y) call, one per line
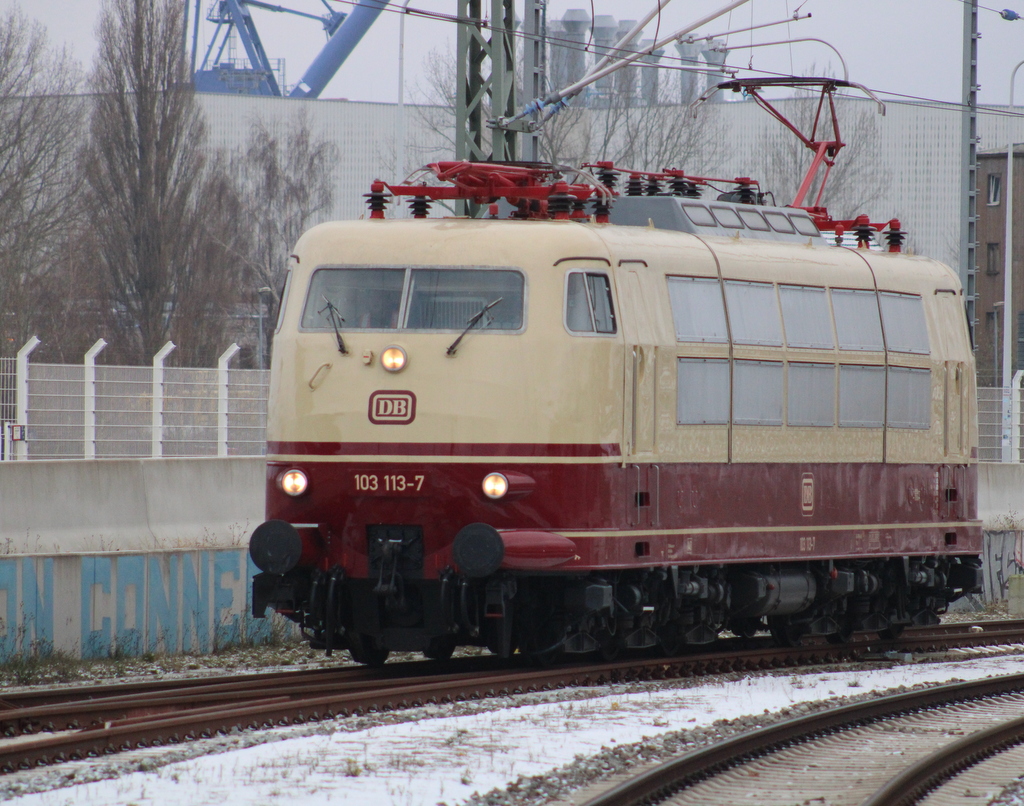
point(641, 425)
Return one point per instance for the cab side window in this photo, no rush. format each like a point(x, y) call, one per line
point(588, 303)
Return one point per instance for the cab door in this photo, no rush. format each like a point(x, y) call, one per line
point(640, 372)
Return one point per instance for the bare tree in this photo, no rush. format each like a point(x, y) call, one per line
point(145, 172)
point(638, 136)
point(285, 185)
point(39, 121)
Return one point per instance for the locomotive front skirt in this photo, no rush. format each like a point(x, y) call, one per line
point(562, 436)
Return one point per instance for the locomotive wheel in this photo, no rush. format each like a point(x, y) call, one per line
point(440, 649)
point(609, 647)
point(891, 633)
point(364, 650)
point(841, 636)
point(670, 638)
point(745, 627)
point(784, 632)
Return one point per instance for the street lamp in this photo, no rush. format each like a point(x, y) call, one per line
point(262, 340)
point(400, 134)
point(1007, 448)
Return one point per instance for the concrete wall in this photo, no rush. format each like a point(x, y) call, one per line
point(129, 504)
point(1001, 496)
point(128, 556)
point(150, 555)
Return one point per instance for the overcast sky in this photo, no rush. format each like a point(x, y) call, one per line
point(910, 47)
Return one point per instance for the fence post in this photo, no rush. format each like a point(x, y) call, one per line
point(21, 384)
point(158, 399)
point(222, 398)
point(90, 398)
point(1018, 377)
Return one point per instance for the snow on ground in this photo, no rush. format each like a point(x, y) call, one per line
point(446, 760)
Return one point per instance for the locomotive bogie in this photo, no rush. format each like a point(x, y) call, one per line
point(552, 436)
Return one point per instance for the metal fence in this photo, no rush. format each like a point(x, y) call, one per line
point(999, 422)
point(76, 411)
point(8, 402)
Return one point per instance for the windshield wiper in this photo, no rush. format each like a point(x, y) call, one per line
point(476, 318)
point(336, 322)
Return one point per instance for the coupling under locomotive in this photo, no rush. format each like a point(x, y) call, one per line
point(565, 435)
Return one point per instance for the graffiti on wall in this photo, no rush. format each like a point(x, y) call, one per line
point(98, 605)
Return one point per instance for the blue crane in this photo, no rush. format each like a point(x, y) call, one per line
point(256, 76)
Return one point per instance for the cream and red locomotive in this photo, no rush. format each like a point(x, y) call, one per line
point(546, 433)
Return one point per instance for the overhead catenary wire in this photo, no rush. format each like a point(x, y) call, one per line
point(890, 95)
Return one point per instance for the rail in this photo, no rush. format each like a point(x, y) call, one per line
point(68, 723)
point(664, 782)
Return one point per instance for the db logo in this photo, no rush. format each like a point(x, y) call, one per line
point(807, 494)
point(392, 408)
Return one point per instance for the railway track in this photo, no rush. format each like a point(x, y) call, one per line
point(52, 726)
point(926, 747)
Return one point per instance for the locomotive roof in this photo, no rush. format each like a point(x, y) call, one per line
point(705, 217)
point(494, 242)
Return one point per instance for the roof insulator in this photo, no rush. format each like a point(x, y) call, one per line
point(681, 186)
point(863, 229)
point(560, 203)
point(607, 175)
point(634, 185)
point(895, 236)
point(419, 206)
point(376, 199)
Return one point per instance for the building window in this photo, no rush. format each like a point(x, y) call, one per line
point(994, 185)
point(992, 259)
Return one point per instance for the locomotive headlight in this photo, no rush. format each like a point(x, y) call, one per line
point(495, 485)
point(294, 482)
point(393, 359)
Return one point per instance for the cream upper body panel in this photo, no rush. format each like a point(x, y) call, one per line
point(546, 385)
point(531, 386)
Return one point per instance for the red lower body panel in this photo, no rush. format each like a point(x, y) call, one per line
point(583, 515)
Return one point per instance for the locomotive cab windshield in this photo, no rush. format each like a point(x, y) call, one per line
point(417, 299)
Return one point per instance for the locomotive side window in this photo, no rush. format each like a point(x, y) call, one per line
point(758, 397)
point(804, 225)
point(779, 222)
point(702, 391)
point(414, 299)
point(697, 309)
point(905, 328)
point(812, 394)
point(754, 220)
point(857, 324)
point(363, 298)
point(446, 300)
point(861, 396)
point(910, 398)
point(753, 313)
point(806, 315)
point(588, 303)
point(727, 217)
point(699, 215)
